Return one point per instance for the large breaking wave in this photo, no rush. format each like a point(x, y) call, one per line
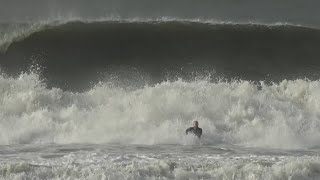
point(109, 82)
point(76, 53)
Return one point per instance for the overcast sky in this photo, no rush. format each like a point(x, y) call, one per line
point(294, 11)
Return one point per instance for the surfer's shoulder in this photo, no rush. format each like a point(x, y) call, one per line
point(190, 128)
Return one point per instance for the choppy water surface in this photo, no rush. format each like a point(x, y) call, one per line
point(110, 161)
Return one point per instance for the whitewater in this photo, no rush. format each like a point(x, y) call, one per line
point(283, 115)
point(250, 131)
point(260, 112)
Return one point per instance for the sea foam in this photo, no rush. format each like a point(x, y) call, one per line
point(283, 115)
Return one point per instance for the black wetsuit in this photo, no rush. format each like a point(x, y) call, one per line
point(195, 131)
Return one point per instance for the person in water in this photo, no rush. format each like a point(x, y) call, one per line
point(195, 130)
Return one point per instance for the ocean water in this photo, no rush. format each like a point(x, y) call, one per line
point(114, 161)
point(270, 132)
point(112, 98)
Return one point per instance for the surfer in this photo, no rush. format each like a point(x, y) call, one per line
point(195, 129)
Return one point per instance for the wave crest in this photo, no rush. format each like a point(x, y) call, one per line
point(14, 32)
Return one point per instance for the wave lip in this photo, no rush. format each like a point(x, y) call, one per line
point(14, 32)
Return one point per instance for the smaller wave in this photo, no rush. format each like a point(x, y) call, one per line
point(132, 166)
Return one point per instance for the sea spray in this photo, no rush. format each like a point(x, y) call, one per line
point(283, 115)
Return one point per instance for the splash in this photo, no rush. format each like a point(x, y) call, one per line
point(283, 115)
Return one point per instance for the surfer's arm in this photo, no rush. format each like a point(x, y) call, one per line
point(187, 131)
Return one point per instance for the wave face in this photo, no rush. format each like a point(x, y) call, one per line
point(74, 54)
point(284, 115)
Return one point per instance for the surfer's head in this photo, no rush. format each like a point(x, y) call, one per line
point(195, 124)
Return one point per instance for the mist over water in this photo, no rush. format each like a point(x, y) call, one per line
point(271, 11)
